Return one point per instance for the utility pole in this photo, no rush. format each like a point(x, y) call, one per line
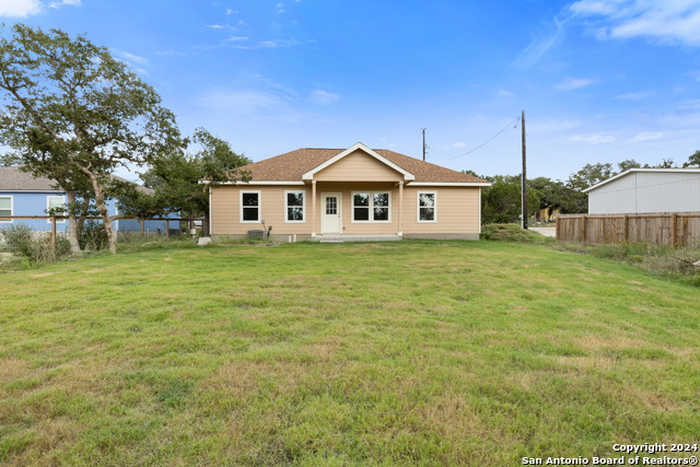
point(423, 131)
point(524, 176)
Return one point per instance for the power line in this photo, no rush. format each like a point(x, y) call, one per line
point(476, 148)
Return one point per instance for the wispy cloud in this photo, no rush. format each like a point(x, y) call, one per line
point(552, 125)
point(19, 8)
point(229, 12)
point(322, 97)
point(646, 136)
point(459, 145)
point(670, 21)
point(505, 93)
point(216, 26)
point(131, 57)
point(634, 96)
point(541, 44)
point(60, 3)
point(593, 138)
point(237, 38)
point(574, 83)
point(279, 8)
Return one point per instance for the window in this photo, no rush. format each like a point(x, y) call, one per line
point(331, 205)
point(250, 206)
point(56, 205)
point(5, 208)
point(427, 207)
point(295, 206)
point(371, 207)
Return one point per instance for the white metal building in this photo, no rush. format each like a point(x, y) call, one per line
point(645, 191)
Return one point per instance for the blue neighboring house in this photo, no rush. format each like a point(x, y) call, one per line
point(22, 194)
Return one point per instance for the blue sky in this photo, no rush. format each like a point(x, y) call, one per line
point(599, 80)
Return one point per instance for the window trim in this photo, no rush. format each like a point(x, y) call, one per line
point(240, 204)
point(48, 206)
point(12, 209)
point(370, 207)
point(435, 217)
point(286, 207)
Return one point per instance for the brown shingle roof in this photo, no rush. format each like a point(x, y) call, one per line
point(292, 165)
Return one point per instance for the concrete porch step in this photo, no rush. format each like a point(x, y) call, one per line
point(357, 238)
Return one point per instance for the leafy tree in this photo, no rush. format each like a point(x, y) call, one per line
point(177, 178)
point(589, 175)
point(73, 109)
point(693, 160)
point(554, 193)
point(628, 164)
point(501, 202)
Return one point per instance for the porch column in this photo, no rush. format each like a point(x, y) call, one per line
point(400, 226)
point(313, 208)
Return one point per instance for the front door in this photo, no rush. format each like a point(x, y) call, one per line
point(330, 213)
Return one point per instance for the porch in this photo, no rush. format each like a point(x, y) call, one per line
point(356, 211)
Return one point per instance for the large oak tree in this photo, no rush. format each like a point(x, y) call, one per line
point(71, 110)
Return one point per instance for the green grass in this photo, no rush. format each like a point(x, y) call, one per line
point(395, 353)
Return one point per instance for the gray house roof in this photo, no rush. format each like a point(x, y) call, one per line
point(14, 179)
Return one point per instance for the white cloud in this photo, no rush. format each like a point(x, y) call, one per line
point(129, 57)
point(634, 96)
point(574, 83)
point(671, 21)
point(19, 8)
point(505, 93)
point(321, 97)
point(279, 8)
point(541, 44)
point(216, 26)
point(237, 38)
point(229, 11)
point(459, 145)
point(594, 138)
point(646, 136)
point(61, 3)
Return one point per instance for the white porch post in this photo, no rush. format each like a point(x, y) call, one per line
point(313, 208)
point(400, 225)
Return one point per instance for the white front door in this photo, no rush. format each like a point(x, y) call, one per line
point(330, 213)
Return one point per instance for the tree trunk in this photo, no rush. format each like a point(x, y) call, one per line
point(73, 227)
point(102, 208)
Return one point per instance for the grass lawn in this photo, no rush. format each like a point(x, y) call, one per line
point(413, 352)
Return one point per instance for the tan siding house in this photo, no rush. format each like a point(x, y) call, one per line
point(356, 193)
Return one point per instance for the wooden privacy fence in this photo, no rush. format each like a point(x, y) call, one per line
point(680, 229)
point(142, 221)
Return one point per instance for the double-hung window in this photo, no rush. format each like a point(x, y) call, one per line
point(294, 206)
point(5, 208)
point(427, 206)
point(371, 207)
point(250, 207)
point(56, 205)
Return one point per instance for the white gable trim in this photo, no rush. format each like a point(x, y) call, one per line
point(629, 171)
point(310, 174)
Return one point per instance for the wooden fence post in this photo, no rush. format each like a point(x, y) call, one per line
point(167, 228)
point(557, 228)
point(143, 230)
point(584, 221)
point(674, 230)
point(53, 236)
point(627, 228)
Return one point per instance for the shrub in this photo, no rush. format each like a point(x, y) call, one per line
point(19, 240)
point(511, 233)
point(93, 236)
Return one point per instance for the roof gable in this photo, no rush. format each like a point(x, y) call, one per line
point(637, 170)
point(357, 147)
point(291, 166)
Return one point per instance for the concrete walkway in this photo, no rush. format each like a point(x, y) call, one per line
point(546, 231)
